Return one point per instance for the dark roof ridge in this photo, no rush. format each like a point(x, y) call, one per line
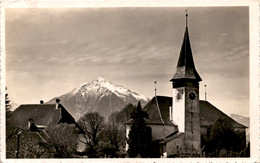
point(163, 96)
point(158, 108)
point(149, 103)
point(36, 104)
point(64, 113)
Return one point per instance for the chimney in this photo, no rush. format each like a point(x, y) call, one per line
point(30, 122)
point(57, 103)
point(41, 102)
point(170, 111)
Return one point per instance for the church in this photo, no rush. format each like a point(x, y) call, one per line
point(180, 124)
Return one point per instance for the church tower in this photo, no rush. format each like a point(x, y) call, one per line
point(185, 83)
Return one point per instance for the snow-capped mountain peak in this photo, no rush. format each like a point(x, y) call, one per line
point(100, 79)
point(103, 86)
point(99, 95)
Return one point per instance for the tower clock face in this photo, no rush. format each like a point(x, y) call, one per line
point(192, 96)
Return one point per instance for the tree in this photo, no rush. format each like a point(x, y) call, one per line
point(223, 137)
point(29, 146)
point(126, 112)
point(92, 124)
point(10, 127)
point(59, 141)
point(7, 102)
point(139, 136)
point(115, 131)
point(113, 136)
point(247, 150)
point(63, 138)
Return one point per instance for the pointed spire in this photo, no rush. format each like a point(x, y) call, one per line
point(186, 17)
point(205, 92)
point(155, 87)
point(185, 66)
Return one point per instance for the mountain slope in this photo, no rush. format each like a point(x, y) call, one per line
point(99, 95)
point(240, 119)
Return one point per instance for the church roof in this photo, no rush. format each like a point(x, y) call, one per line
point(170, 137)
point(210, 114)
point(42, 114)
point(158, 110)
point(185, 66)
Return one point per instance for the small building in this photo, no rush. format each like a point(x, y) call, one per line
point(41, 115)
point(38, 117)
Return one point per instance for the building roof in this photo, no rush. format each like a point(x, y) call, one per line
point(42, 114)
point(158, 110)
point(66, 117)
point(210, 114)
point(170, 137)
point(185, 66)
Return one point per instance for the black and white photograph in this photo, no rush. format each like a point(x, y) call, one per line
point(143, 82)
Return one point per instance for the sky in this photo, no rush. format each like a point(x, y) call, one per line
point(50, 51)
